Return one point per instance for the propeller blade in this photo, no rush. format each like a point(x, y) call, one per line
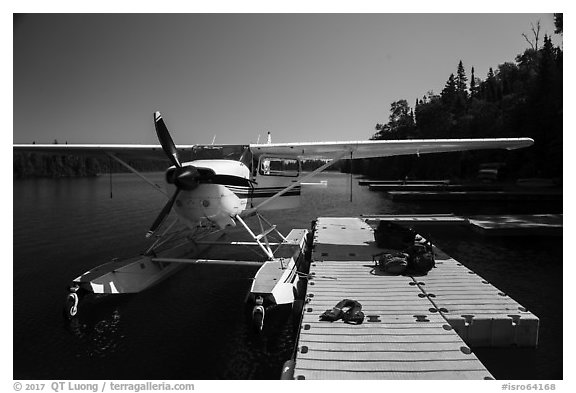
point(165, 211)
point(166, 140)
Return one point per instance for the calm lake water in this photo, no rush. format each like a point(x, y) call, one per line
point(192, 326)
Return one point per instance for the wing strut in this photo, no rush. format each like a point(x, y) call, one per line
point(250, 212)
point(141, 176)
point(266, 247)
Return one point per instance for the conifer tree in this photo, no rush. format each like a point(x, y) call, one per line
point(491, 86)
point(490, 73)
point(449, 92)
point(461, 79)
point(546, 66)
point(558, 23)
point(473, 86)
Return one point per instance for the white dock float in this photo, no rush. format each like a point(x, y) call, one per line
point(480, 313)
point(467, 196)
point(401, 338)
point(419, 219)
point(510, 225)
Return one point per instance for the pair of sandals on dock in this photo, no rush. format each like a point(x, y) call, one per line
point(353, 315)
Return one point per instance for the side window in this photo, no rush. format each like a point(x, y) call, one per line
point(277, 166)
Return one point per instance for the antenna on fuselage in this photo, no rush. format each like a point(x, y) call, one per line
point(258, 140)
point(214, 139)
point(269, 138)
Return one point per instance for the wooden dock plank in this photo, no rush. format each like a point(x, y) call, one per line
point(347, 348)
point(389, 356)
point(332, 337)
point(396, 365)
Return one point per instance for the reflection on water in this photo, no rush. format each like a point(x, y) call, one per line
point(101, 336)
point(193, 325)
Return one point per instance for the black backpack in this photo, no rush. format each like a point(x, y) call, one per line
point(420, 258)
point(393, 236)
point(395, 263)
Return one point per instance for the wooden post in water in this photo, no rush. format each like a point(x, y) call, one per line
point(350, 176)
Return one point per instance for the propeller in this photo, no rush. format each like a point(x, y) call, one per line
point(166, 140)
point(184, 178)
point(165, 211)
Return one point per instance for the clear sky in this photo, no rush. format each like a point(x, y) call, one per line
point(98, 78)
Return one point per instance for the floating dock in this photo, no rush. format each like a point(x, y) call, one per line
point(369, 182)
point(408, 332)
point(433, 187)
point(419, 219)
point(511, 225)
point(507, 196)
point(488, 225)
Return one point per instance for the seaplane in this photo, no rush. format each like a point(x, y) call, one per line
point(213, 194)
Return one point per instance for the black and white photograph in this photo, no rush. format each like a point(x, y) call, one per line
point(210, 196)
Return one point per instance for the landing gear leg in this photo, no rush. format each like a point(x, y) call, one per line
point(258, 314)
point(71, 303)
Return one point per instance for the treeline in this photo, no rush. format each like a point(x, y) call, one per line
point(44, 165)
point(520, 99)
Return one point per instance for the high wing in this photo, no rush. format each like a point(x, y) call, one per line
point(318, 150)
point(384, 148)
point(333, 151)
